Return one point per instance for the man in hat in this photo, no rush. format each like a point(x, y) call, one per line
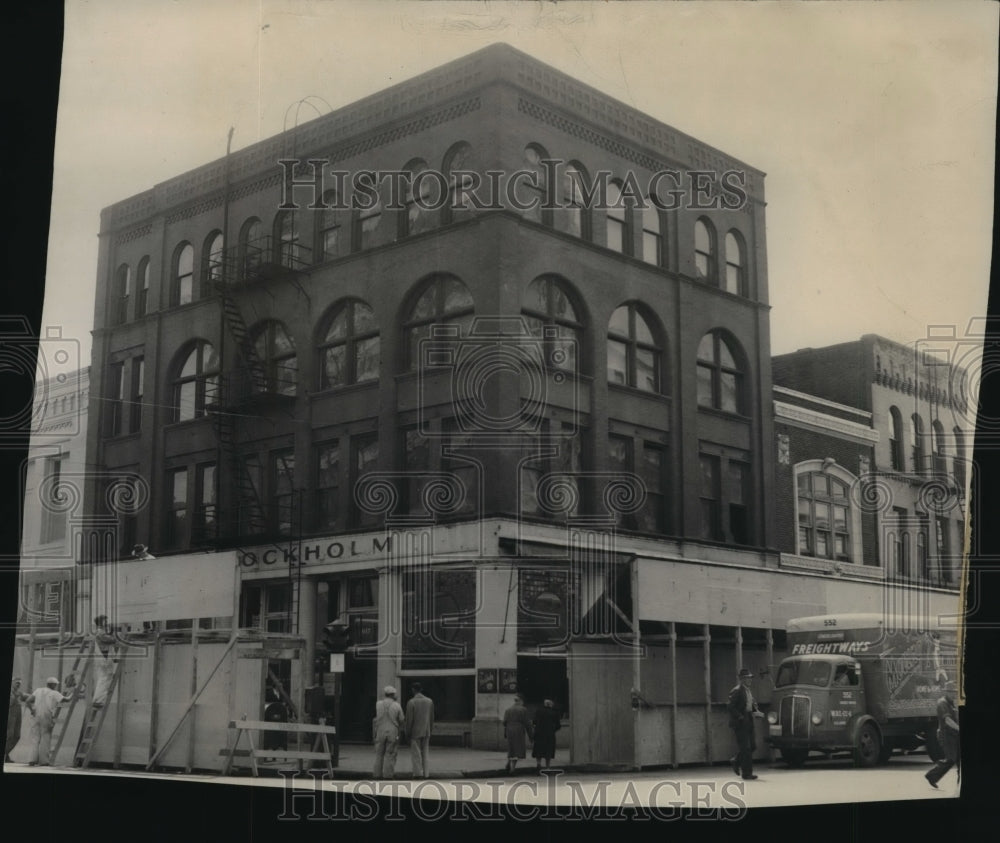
point(947, 736)
point(386, 728)
point(44, 707)
point(742, 710)
point(140, 551)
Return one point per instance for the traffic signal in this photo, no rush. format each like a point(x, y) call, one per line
point(336, 637)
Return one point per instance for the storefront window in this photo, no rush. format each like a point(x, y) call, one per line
point(439, 613)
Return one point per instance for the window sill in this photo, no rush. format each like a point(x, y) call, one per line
point(725, 414)
point(343, 389)
point(123, 437)
point(634, 390)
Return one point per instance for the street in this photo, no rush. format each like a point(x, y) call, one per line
point(664, 791)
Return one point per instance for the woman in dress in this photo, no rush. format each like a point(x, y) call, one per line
point(546, 725)
point(516, 727)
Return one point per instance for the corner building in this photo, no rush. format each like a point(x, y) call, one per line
point(513, 449)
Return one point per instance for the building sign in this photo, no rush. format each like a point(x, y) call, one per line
point(317, 552)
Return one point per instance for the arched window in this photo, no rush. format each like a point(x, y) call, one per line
point(735, 265)
point(549, 312)
point(142, 293)
point(531, 191)
point(633, 352)
point(652, 235)
point(619, 231)
point(251, 248)
point(895, 439)
point(917, 442)
point(197, 381)
point(704, 249)
point(457, 159)
point(123, 292)
point(183, 290)
point(720, 377)
point(290, 249)
point(277, 352)
point(574, 188)
point(211, 261)
point(328, 228)
point(940, 448)
point(418, 198)
point(349, 352)
point(442, 299)
point(828, 523)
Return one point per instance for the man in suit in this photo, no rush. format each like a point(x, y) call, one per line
point(742, 711)
point(418, 727)
point(948, 736)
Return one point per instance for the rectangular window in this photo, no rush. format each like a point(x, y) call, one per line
point(177, 508)
point(941, 548)
point(205, 512)
point(283, 490)
point(327, 485)
point(124, 293)
point(53, 518)
point(711, 512)
point(900, 549)
point(739, 482)
point(417, 458)
point(923, 562)
point(459, 467)
point(439, 612)
point(135, 399)
point(364, 451)
point(116, 399)
point(250, 495)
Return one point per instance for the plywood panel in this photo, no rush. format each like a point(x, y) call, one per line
point(603, 720)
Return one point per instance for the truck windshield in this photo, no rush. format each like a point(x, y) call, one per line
point(803, 672)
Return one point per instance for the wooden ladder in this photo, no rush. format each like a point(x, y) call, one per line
point(95, 716)
point(84, 654)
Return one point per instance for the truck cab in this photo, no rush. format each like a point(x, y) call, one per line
point(816, 701)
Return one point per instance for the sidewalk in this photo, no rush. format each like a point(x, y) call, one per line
point(444, 762)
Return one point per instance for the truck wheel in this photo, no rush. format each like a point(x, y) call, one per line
point(794, 757)
point(867, 746)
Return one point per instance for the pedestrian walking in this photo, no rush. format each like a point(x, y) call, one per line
point(418, 725)
point(44, 707)
point(545, 726)
point(386, 728)
point(17, 697)
point(947, 737)
point(742, 711)
point(516, 728)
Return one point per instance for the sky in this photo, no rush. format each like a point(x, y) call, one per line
point(874, 122)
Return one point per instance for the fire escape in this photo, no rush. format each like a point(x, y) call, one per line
point(250, 388)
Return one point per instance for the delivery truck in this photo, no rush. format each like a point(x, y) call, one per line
point(864, 683)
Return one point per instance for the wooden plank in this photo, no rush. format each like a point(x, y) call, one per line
point(120, 722)
point(673, 695)
point(155, 695)
point(291, 755)
point(194, 689)
point(269, 726)
point(277, 655)
point(190, 706)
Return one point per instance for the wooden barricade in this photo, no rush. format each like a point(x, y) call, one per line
point(320, 748)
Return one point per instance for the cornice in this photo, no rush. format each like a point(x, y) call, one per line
point(821, 422)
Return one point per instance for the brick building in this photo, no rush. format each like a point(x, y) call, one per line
point(510, 447)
